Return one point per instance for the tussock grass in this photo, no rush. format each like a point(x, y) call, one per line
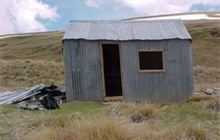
point(29, 60)
point(136, 112)
point(206, 52)
point(102, 129)
point(198, 98)
point(16, 123)
point(38, 46)
point(213, 104)
point(183, 132)
point(93, 121)
point(21, 74)
point(121, 109)
point(111, 129)
point(204, 74)
point(144, 112)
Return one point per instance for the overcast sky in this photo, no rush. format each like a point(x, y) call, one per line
point(20, 16)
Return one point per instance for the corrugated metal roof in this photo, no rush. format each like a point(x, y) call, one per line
point(126, 30)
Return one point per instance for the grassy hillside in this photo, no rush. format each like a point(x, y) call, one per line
point(206, 52)
point(29, 60)
point(38, 58)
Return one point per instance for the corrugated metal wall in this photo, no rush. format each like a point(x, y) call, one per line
point(175, 84)
point(83, 74)
point(82, 71)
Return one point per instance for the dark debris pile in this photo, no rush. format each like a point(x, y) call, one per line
point(35, 98)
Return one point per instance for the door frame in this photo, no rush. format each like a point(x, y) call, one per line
point(103, 73)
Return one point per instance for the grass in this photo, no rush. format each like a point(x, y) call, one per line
point(24, 73)
point(190, 111)
point(197, 98)
point(136, 112)
point(96, 121)
point(39, 46)
point(16, 123)
point(214, 104)
point(112, 130)
point(30, 60)
point(80, 108)
point(87, 130)
point(143, 112)
point(206, 52)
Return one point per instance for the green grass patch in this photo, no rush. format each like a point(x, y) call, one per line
point(186, 111)
point(80, 108)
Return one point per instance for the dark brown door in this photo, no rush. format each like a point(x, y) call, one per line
point(112, 71)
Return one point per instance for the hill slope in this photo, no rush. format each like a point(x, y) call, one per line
point(182, 16)
point(37, 58)
point(32, 59)
point(206, 52)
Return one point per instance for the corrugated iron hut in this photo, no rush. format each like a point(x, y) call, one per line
point(133, 61)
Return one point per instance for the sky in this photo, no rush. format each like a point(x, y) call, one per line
point(22, 16)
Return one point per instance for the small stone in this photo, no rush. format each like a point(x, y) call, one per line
point(216, 90)
point(209, 91)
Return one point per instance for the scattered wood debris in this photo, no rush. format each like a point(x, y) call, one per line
point(35, 98)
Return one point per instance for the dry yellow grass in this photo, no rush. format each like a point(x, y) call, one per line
point(207, 76)
point(24, 73)
point(112, 129)
point(88, 130)
point(213, 104)
point(94, 121)
point(198, 98)
point(101, 129)
point(206, 52)
point(135, 112)
point(30, 60)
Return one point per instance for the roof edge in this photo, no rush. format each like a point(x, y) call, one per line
point(190, 39)
point(121, 21)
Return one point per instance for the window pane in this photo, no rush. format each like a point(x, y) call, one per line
point(152, 60)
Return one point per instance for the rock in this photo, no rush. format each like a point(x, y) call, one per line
point(217, 90)
point(209, 91)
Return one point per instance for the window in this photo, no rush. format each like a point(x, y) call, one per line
point(151, 61)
